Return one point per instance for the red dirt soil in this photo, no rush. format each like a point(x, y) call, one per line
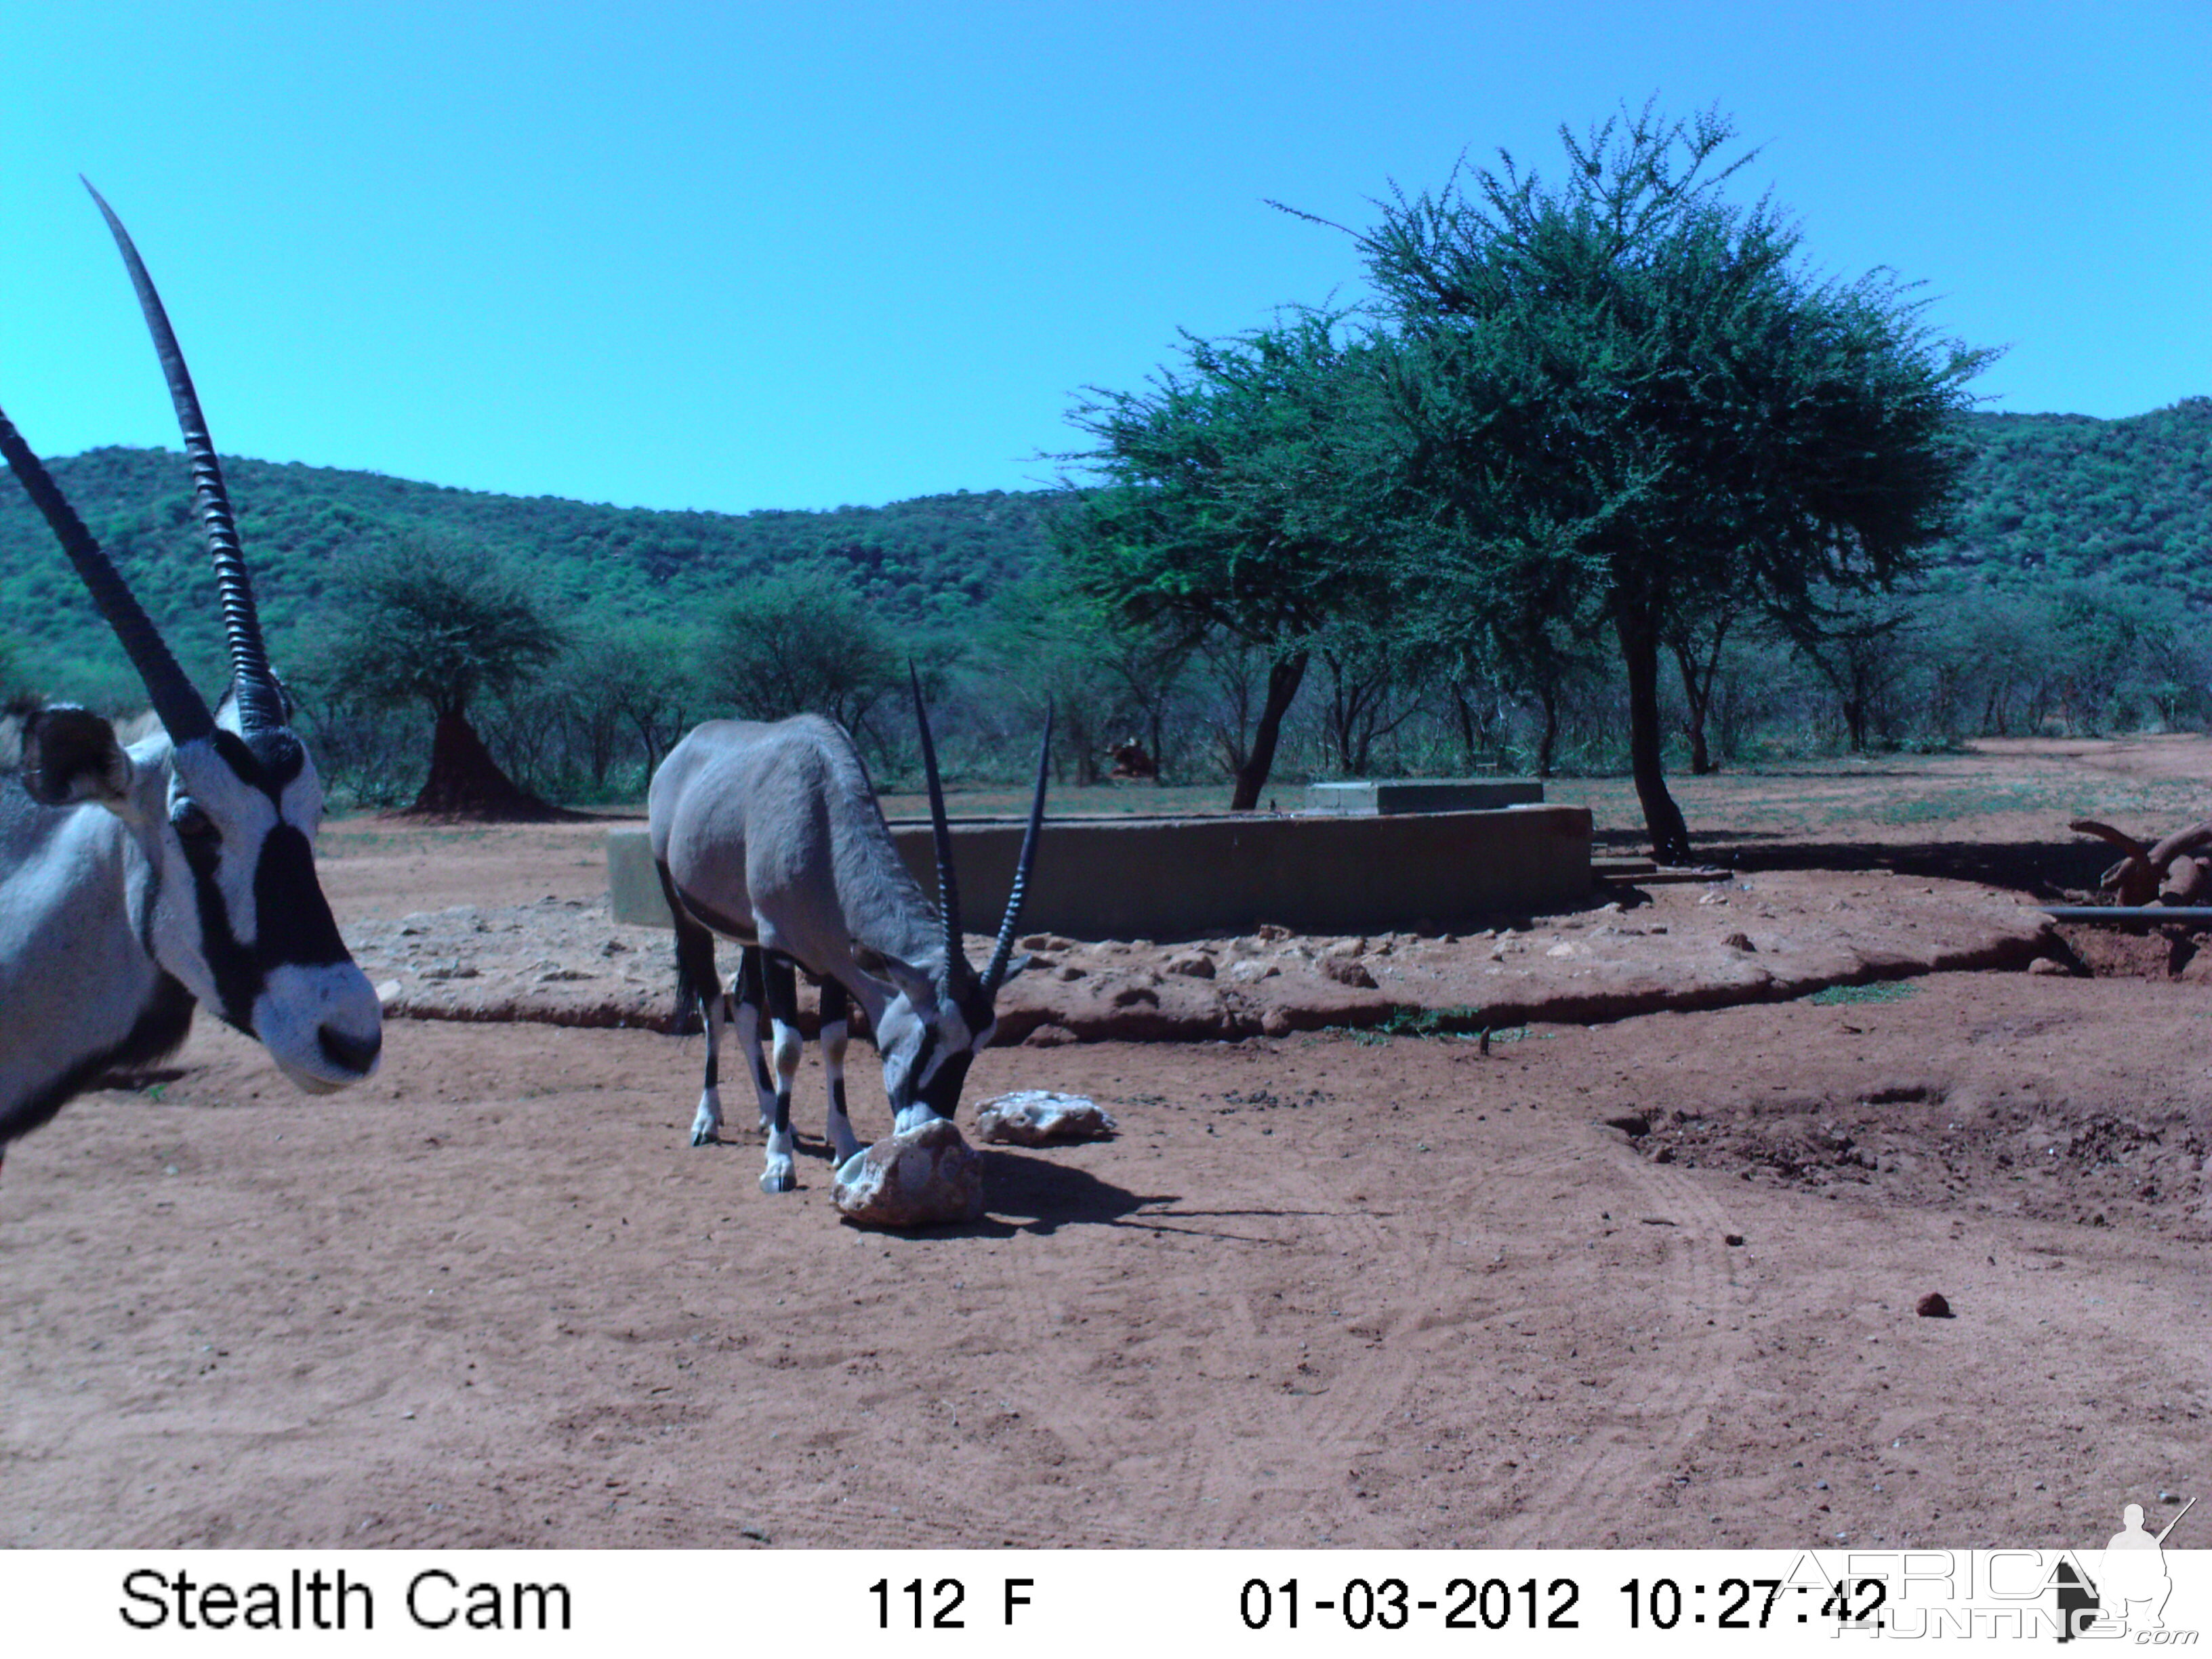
point(1646, 1282)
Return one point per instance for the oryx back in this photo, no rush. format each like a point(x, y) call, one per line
point(772, 835)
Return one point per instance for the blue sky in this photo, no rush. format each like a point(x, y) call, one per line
point(735, 256)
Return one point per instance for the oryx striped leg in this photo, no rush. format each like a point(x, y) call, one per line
point(707, 1121)
point(696, 980)
point(782, 986)
point(835, 1007)
point(750, 995)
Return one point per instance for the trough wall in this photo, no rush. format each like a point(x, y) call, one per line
point(1164, 878)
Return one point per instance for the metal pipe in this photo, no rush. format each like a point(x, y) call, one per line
point(2115, 915)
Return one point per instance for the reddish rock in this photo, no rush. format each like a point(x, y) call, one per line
point(922, 1178)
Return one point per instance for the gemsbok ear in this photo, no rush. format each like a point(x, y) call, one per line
point(70, 755)
point(900, 976)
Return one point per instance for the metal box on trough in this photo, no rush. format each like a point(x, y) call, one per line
point(1366, 799)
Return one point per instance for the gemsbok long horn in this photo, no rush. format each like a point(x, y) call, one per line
point(948, 884)
point(144, 881)
point(260, 703)
point(181, 708)
point(1004, 950)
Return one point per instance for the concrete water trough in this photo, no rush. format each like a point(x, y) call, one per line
point(1190, 878)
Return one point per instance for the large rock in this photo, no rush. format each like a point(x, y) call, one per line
point(922, 1178)
point(1039, 1117)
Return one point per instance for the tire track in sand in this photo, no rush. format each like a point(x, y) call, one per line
point(1662, 1406)
point(1331, 1366)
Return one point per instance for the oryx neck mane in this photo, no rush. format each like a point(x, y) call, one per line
point(888, 910)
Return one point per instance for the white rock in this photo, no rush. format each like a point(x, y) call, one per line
point(1037, 1117)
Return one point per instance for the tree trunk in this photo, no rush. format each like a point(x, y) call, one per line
point(1285, 675)
point(1463, 712)
point(1855, 722)
point(466, 782)
point(1697, 698)
point(648, 735)
point(1548, 739)
point(1080, 737)
point(1639, 650)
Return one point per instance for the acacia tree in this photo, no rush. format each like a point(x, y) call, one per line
point(1050, 648)
point(630, 678)
point(801, 643)
point(1516, 618)
point(1377, 677)
point(1697, 639)
point(431, 623)
point(1152, 665)
point(1226, 508)
point(1629, 381)
point(1860, 644)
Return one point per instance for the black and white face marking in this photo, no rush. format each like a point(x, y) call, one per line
point(928, 1050)
point(240, 917)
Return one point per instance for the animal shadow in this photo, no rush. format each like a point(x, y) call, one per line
point(1026, 1194)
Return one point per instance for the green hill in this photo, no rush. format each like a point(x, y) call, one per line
point(2049, 499)
point(2056, 498)
point(927, 562)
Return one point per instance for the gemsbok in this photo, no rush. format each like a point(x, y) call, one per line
point(137, 883)
point(770, 834)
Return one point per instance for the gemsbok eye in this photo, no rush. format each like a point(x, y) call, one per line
point(192, 823)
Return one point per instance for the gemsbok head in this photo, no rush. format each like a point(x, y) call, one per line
point(137, 882)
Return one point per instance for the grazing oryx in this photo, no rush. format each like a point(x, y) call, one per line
point(136, 882)
point(770, 834)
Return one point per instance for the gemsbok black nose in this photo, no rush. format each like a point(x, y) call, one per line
point(351, 1054)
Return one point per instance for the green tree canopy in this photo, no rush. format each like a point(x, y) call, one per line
point(436, 623)
point(431, 622)
point(1624, 396)
point(1230, 502)
point(802, 643)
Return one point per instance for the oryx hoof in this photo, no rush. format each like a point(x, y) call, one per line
point(779, 1177)
point(707, 1120)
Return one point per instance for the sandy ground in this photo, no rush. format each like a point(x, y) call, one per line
point(1649, 1279)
